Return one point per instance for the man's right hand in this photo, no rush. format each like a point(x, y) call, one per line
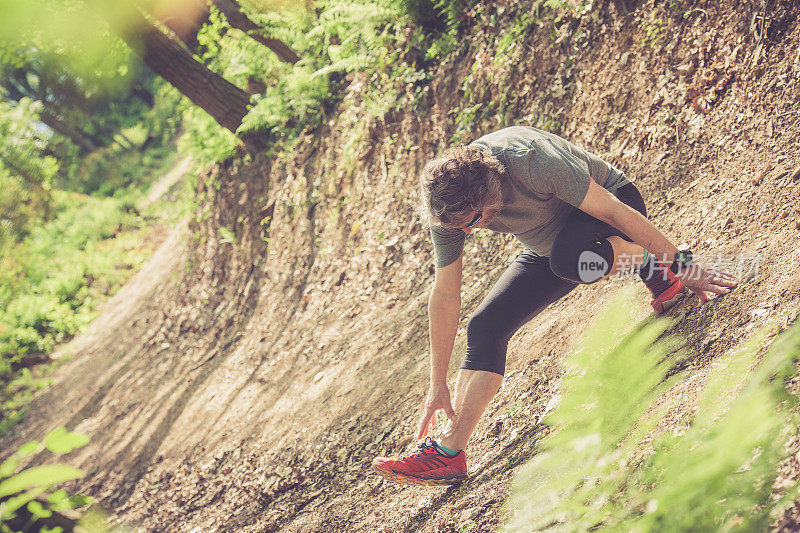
point(438, 398)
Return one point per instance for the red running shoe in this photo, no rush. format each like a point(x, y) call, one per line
point(665, 287)
point(424, 466)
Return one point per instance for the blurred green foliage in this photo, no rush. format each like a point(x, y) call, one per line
point(715, 475)
point(62, 252)
point(26, 173)
point(333, 37)
point(52, 280)
point(32, 489)
point(72, 31)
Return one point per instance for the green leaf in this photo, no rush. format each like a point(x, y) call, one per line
point(8, 466)
point(62, 441)
point(226, 236)
point(79, 500)
point(56, 529)
point(58, 496)
point(27, 449)
point(9, 507)
point(38, 511)
point(46, 475)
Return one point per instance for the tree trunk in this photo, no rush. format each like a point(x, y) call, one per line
point(218, 97)
point(130, 143)
point(187, 27)
point(240, 21)
point(54, 121)
point(144, 95)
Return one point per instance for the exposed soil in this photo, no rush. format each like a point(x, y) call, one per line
point(246, 385)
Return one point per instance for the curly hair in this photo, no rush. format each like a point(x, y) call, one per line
point(461, 181)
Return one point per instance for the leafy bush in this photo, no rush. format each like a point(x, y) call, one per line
point(206, 140)
point(716, 476)
point(51, 281)
point(26, 173)
point(337, 37)
point(436, 15)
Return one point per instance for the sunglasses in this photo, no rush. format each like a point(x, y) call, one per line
point(474, 221)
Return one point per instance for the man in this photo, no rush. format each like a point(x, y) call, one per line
point(580, 220)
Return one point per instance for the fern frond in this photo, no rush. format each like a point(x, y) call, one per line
point(719, 473)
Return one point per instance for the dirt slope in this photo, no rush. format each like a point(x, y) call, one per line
point(252, 378)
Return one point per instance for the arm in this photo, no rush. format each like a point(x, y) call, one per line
point(444, 306)
point(603, 205)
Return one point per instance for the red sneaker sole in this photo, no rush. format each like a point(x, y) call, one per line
point(660, 306)
point(413, 480)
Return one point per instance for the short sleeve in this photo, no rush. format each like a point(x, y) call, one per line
point(559, 172)
point(448, 244)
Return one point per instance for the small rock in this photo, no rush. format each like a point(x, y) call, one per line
point(496, 427)
point(468, 514)
point(405, 441)
point(318, 376)
point(758, 179)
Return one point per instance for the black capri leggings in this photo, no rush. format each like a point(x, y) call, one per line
point(581, 254)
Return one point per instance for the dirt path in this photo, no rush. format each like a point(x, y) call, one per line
point(160, 187)
point(87, 354)
point(132, 297)
point(244, 379)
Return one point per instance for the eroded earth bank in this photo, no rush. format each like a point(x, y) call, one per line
point(245, 383)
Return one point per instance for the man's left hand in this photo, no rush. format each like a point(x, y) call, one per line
point(701, 280)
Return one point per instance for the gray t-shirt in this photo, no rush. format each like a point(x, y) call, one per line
point(546, 179)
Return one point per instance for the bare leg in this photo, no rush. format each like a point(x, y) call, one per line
point(474, 390)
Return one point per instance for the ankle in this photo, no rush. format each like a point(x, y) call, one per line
point(649, 268)
point(645, 256)
point(450, 445)
point(447, 451)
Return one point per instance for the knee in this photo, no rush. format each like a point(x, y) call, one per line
point(565, 256)
point(562, 260)
point(487, 342)
point(480, 327)
point(579, 262)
